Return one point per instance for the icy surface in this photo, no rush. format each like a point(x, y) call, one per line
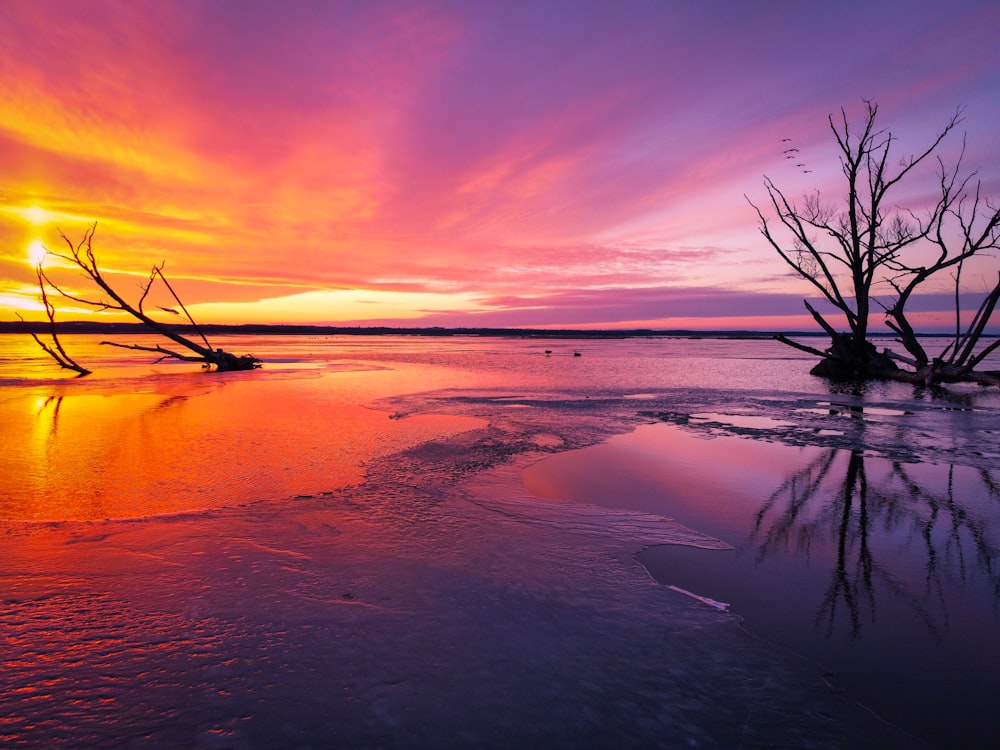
point(393, 615)
point(426, 600)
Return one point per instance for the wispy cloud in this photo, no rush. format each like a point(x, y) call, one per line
point(491, 150)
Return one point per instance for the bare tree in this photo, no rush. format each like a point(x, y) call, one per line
point(82, 255)
point(55, 349)
point(852, 250)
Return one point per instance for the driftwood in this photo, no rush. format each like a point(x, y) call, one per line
point(82, 256)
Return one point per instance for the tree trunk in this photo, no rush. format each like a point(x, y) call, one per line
point(849, 358)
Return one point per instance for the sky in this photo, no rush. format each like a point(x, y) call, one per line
point(559, 164)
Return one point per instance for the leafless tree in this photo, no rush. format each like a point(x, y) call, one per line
point(82, 255)
point(851, 250)
point(54, 349)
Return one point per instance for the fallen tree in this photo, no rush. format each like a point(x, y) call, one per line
point(55, 348)
point(82, 256)
point(870, 251)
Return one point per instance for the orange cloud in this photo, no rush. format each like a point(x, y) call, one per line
point(465, 151)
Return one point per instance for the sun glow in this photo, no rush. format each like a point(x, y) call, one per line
point(36, 253)
point(36, 215)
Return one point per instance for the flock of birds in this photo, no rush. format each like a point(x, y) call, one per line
point(793, 153)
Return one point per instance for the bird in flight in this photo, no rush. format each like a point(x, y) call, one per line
point(793, 153)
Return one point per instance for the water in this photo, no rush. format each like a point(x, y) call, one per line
point(138, 438)
point(342, 548)
point(885, 572)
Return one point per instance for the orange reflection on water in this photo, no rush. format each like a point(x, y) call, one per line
point(192, 443)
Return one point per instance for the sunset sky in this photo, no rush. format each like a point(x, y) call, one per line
point(465, 162)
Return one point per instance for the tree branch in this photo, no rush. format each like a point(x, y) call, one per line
point(55, 351)
point(82, 255)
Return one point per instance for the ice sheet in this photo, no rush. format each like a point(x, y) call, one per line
point(393, 614)
point(430, 602)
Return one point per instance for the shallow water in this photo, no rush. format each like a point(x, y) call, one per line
point(187, 444)
point(339, 548)
point(883, 571)
point(138, 438)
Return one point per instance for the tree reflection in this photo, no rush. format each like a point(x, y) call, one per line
point(51, 406)
point(906, 530)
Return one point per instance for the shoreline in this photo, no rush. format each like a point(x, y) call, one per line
point(254, 329)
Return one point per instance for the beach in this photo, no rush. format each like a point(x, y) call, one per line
point(355, 547)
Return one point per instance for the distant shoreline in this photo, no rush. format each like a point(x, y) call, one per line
point(118, 329)
point(328, 330)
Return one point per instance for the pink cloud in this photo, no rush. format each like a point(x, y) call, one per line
point(501, 149)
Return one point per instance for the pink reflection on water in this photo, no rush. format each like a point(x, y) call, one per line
point(882, 571)
point(715, 483)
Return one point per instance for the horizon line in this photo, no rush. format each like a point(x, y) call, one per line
point(130, 328)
